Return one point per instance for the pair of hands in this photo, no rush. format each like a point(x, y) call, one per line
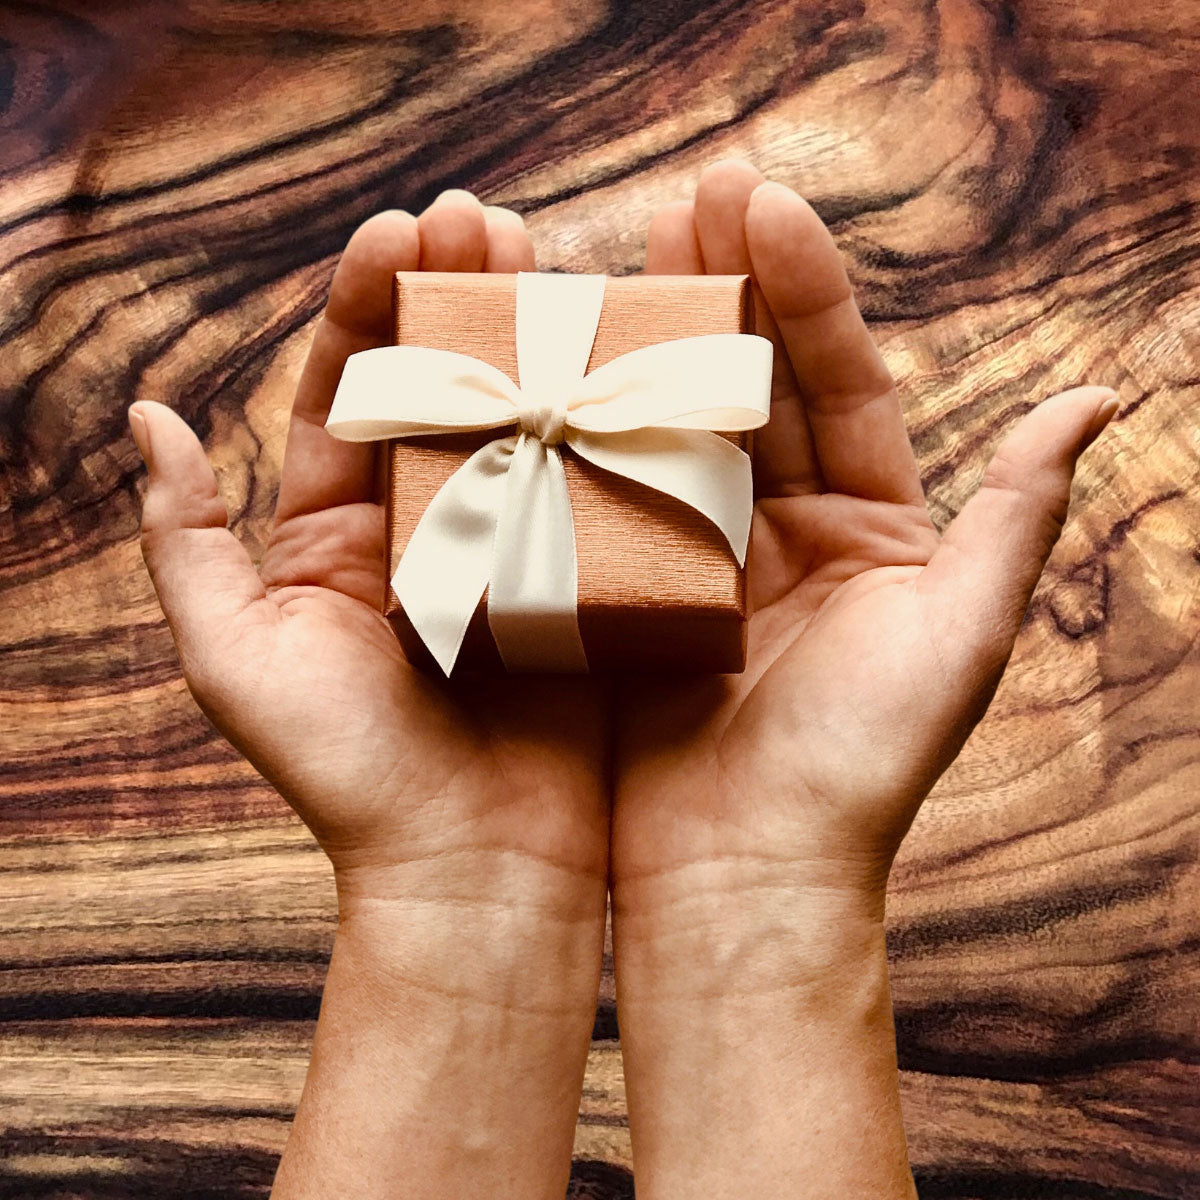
point(875, 643)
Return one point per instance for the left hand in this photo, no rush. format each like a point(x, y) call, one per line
point(875, 643)
point(756, 816)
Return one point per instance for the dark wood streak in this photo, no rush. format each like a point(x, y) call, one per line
point(1005, 1185)
point(1014, 188)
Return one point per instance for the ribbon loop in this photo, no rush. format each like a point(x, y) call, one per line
point(502, 522)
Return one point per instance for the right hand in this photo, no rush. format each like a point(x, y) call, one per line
point(413, 786)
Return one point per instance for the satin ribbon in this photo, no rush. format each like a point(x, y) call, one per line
point(502, 522)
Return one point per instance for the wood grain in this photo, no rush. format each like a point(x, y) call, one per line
point(1014, 186)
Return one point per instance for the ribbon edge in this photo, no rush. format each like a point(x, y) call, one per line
point(760, 353)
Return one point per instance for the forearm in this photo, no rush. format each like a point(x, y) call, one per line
point(451, 1045)
point(759, 1047)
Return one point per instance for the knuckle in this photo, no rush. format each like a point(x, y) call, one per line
point(199, 508)
point(1040, 498)
point(1006, 473)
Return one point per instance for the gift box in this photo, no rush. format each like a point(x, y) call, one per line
point(658, 587)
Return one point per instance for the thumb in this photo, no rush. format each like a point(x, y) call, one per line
point(992, 555)
point(204, 578)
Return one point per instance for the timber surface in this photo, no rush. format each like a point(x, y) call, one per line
point(1015, 188)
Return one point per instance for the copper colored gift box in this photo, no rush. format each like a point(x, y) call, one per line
point(659, 587)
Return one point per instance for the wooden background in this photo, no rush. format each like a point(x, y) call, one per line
point(1015, 186)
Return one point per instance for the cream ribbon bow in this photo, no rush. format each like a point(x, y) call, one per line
point(503, 520)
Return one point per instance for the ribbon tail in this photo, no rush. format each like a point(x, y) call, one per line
point(533, 588)
point(444, 569)
point(704, 470)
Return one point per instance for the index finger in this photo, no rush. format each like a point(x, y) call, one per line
point(319, 471)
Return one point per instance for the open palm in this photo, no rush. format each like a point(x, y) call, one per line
point(875, 644)
point(390, 768)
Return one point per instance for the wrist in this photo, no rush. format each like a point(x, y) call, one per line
point(453, 1036)
point(483, 927)
point(774, 991)
point(720, 930)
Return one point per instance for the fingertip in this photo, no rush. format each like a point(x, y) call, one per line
point(154, 413)
point(1107, 409)
point(140, 431)
point(722, 195)
point(509, 246)
point(1079, 415)
point(723, 191)
point(152, 423)
point(772, 187)
point(734, 172)
point(457, 196)
point(360, 297)
point(176, 456)
point(772, 202)
point(763, 209)
point(1083, 396)
point(390, 233)
point(797, 261)
point(453, 233)
point(504, 217)
point(386, 218)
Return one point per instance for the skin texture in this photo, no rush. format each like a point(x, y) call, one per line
point(756, 817)
point(467, 825)
point(753, 818)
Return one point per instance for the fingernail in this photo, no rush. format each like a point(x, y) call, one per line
point(1105, 413)
point(141, 433)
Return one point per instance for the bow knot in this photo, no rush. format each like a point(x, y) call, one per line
point(502, 523)
point(542, 418)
